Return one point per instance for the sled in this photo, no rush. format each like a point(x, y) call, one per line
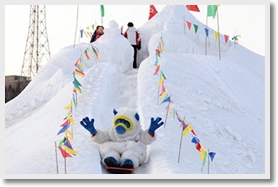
point(119, 170)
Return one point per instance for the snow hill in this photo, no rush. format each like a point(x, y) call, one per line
point(222, 100)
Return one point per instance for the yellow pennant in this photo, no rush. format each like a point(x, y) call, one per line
point(69, 117)
point(216, 35)
point(203, 151)
point(68, 134)
point(70, 151)
point(86, 34)
point(91, 50)
point(84, 56)
point(69, 106)
point(186, 130)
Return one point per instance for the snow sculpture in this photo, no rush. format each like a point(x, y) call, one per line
point(124, 143)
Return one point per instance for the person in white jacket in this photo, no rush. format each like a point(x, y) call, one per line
point(124, 143)
point(133, 36)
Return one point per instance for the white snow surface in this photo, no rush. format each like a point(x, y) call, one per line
point(223, 100)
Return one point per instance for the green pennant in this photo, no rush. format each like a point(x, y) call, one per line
point(195, 28)
point(211, 12)
point(102, 10)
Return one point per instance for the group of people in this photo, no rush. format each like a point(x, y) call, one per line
point(132, 34)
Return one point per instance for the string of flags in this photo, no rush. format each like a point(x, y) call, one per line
point(207, 31)
point(165, 97)
point(65, 145)
point(87, 31)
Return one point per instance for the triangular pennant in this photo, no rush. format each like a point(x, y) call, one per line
point(204, 159)
point(216, 35)
point(62, 142)
point(212, 154)
point(63, 129)
point(195, 28)
point(198, 146)
point(152, 12)
point(71, 151)
point(64, 153)
point(68, 107)
point(195, 140)
point(157, 69)
point(193, 8)
point(226, 38)
point(81, 33)
point(207, 32)
point(86, 34)
point(86, 53)
point(188, 24)
point(68, 134)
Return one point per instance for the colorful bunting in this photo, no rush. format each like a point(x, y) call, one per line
point(65, 146)
point(165, 97)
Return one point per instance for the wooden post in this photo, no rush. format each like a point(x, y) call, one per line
point(65, 165)
point(184, 25)
point(167, 113)
point(218, 34)
point(206, 36)
point(180, 145)
point(76, 25)
point(158, 89)
point(208, 161)
point(57, 169)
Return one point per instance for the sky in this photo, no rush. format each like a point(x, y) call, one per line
point(224, 108)
point(245, 20)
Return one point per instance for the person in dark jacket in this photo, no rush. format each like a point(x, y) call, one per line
point(133, 36)
point(97, 34)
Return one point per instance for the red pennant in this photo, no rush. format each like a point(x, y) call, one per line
point(193, 8)
point(87, 54)
point(198, 146)
point(157, 69)
point(226, 38)
point(65, 123)
point(192, 131)
point(153, 11)
point(75, 64)
point(188, 24)
point(64, 153)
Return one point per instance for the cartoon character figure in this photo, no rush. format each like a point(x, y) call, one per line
point(124, 143)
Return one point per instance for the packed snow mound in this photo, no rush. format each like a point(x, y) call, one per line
point(119, 45)
point(223, 101)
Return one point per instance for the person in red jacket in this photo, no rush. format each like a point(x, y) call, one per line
point(133, 36)
point(97, 34)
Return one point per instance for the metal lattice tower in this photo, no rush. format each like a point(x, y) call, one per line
point(37, 45)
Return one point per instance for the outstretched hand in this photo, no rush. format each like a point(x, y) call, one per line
point(155, 124)
point(89, 125)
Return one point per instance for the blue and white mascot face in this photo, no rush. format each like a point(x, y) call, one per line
point(126, 122)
